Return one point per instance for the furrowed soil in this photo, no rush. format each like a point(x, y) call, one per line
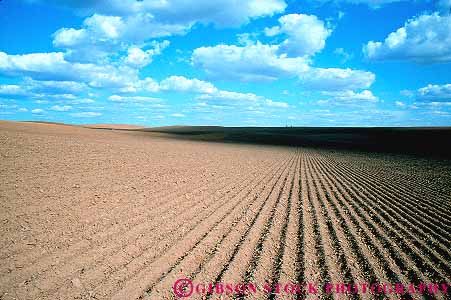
point(110, 214)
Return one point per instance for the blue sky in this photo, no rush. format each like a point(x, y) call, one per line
point(227, 62)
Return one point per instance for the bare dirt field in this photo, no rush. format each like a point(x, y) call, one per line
point(100, 214)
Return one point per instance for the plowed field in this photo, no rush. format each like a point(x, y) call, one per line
point(95, 214)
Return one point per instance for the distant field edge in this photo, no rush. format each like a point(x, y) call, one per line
point(432, 142)
point(422, 141)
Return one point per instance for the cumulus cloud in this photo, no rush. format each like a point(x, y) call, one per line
point(306, 34)
point(435, 92)
point(103, 36)
point(333, 79)
point(99, 37)
point(425, 39)
point(345, 56)
point(278, 104)
point(43, 65)
point(227, 98)
point(182, 13)
point(53, 67)
point(86, 114)
point(431, 92)
point(12, 90)
point(82, 101)
point(183, 84)
point(400, 104)
point(249, 63)
point(147, 84)
point(117, 98)
point(260, 63)
point(54, 87)
point(37, 111)
point(211, 94)
point(61, 108)
point(139, 58)
point(371, 3)
point(302, 37)
point(232, 96)
point(36, 89)
point(351, 96)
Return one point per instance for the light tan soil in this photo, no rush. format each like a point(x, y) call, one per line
point(100, 214)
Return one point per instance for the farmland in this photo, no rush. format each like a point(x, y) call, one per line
point(112, 214)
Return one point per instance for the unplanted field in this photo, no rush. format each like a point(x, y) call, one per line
point(95, 214)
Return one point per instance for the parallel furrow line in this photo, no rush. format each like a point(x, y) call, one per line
point(217, 235)
point(142, 280)
point(232, 255)
point(432, 255)
point(356, 235)
point(324, 267)
point(135, 239)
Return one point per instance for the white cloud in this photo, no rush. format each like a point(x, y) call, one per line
point(210, 93)
point(43, 64)
point(93, 42)
point(177, 115)
point(22, 109)
point(371, 3)
point(181, 12)
point(106, 27)
point(61, 108)
point(249, 63)
point(37, 111)
point(69, 37)
point(333, 79)
point(439, 103)
point(139, 58)
point(426, 39)
point(103, 36)
point(41, 101)
point(82, 101)
point(92, 59)
point(435, 92)
point(230, 96)
point(12, 90)
point(345, 56)
point(117, 98)
point(351, 96)
point(183, 84)
point(87, 114)
point(117, 25)
point(271, 103)
point(99, 36)
point(431, 92)
point(227, 98)
point(246, 38)
point(54, 87)
point(306, 34)
point(147, 84)
point(272, 31)
point(400, 104)
point(38, 89)
point(53, 66)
